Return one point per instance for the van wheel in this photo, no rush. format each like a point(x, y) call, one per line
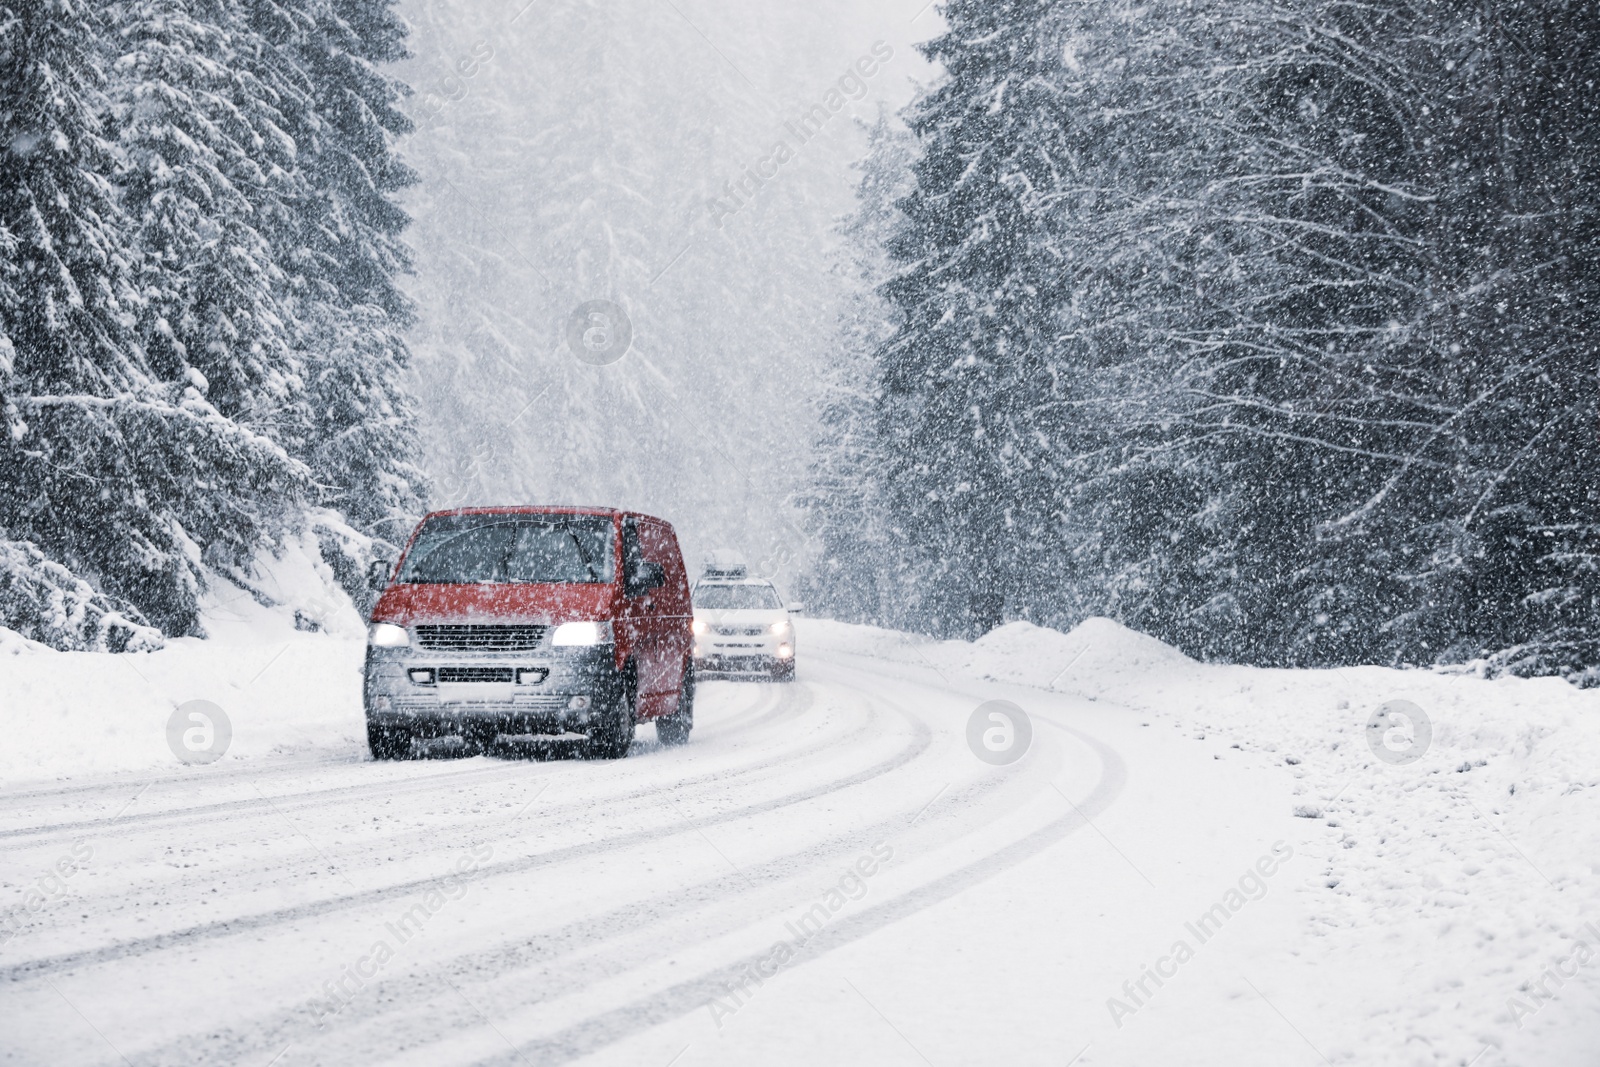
point(388, 742)
point(674, 729)
point(613, 736)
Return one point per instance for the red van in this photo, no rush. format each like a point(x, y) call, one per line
point(531, 620)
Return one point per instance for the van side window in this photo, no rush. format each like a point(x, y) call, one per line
point(631, 551)
point(639, 576)
point(661, 547)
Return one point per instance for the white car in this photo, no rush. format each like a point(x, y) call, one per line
point(741, 626)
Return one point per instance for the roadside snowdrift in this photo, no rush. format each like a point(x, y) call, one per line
point(283, 688)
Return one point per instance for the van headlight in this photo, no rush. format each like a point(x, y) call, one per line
point(387, 635)
point(780, 627)
point(698, 626)
point(582, 633)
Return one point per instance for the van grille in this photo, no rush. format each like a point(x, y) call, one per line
point(739, 631)
point(479, 637)
point(475, 674)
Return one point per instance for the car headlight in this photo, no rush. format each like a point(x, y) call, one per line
point(698, 626)
point(582, 633)
point(781, 626)
point(387, 635)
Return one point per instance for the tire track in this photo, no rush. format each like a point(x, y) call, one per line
point(427, 782)
point(119, 781)
point(48, 965)
point(606, 1028)
point(557, 817)
point(570, 947)
point(566, 958)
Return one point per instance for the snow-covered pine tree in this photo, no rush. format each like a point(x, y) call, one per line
point(192, 158)
point(334, 227)
point(63, 299)
point(1389, 366)
point(1297, 388)
point(363, 445)
point(1056, 143)
point(972, 391)
point(121, 477)
point(1507, 142)
point(862, 571)
point(67, 272)
point(193, 162)
point(1238, 225)
point(1321, 277)
point(1143, 521)
point(1401, 389)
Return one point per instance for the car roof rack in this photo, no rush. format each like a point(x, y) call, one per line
point(734, 571)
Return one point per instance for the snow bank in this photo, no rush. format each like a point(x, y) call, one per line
point(1018, 653)
point(283, 663)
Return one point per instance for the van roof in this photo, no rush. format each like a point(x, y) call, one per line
point(543, 509)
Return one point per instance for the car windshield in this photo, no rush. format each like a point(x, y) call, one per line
point(466, 549)
point(736, 597)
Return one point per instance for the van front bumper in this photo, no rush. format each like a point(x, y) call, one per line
point(433, 694)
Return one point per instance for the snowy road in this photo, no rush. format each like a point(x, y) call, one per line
point(825, 874)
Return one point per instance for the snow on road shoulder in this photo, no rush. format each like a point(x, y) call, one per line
point(283, 689)
point(1454, 909)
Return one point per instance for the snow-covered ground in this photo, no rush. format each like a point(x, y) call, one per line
point(1192, 864)
point(284, 690)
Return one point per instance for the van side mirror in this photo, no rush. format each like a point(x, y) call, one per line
point(644, 576)
point(378, 572)
point(796, 608)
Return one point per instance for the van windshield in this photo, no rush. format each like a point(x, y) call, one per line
point(736, 597)
point(468, 549)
